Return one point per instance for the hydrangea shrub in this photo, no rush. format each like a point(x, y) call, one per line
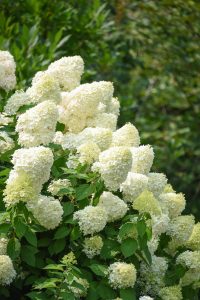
point(82, 216)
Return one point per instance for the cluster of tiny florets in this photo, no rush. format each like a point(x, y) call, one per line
point(122, 275)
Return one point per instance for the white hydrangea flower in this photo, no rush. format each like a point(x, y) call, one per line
point(18, 99)
point(44, 88)
point(7, 71)
point(145, 298)
point(113, 106)
point(172, 203)
point(114, 206)
point(5, 119)
point(180, 228)
point(92, 246)
point(67, 72)
point(88, 153)
point(153, 244)
point(160, 224)
point(126, 136)
point(47, 210)
point(3, 246)
point(56, 185)
point(7, 271)
point(156, 183)
point(146, 202)
point(80, 292)
point(6, 142)
point(189, 259)
point(91, 219)
point(142, 159)
point(133, 186)
point(101, 136)
point(81, 104)
point(20, 187)
point(104, 120)
point(122, 275)
point(37, 125)
point(194, 240)
point(171, 293)
point(114, 165)
point(152, 277)
point(35, 161)
point(58, 138)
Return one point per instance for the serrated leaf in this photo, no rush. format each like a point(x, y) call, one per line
point(13, 248)
point(99, 270)
point(61, 233)
point(128, 294)
point(20, 227)
point(126, 229)
point(84, 191)
point(128, 247)
point(31, 237)
point(68, 208)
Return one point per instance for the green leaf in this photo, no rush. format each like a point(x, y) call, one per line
point(128, 247)
point(61, 232)
point(105, 291)
point(28, 254)
point(99, 270)
point(128, 294)
point(59, 246)
point(68, 208)
point(110, 249)
point(20, 227)
point(126, 229)
point(84, 191)
point(54, 267)
point(141, 227)
point(4, 228)
point(48, 283)
point(75, 233)
point(13, 248)
point(31, 237)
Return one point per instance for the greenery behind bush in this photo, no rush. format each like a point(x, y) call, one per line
point(150, 49)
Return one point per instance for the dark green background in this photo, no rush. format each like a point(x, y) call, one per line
point(149, 49)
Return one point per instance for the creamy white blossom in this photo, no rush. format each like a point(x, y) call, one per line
point(47, 210)
point(133, 186)
point(37, 125)
point(126, 136)
point(5, 119)
point(114, 165)
point(156, 183)
point(35, 161)
point(160, 224)
point(180, 228)
point(7, 271)
point(91, 219)
point(20, 187)
point(81, 104)
point(122, 275)
point(145, 298)
point(194, 240)
point(151, 278)
point(6, 142)
point(56, 185)
point(67, 71)
point(103, 120)
point(18, 99)
point(88, 153)
point(142, 159)
point(172, 203)
point(44, 88)
point(171, 293)
point(92, 246)
point(114, 206)
point(146, 202)
point(7, 71)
